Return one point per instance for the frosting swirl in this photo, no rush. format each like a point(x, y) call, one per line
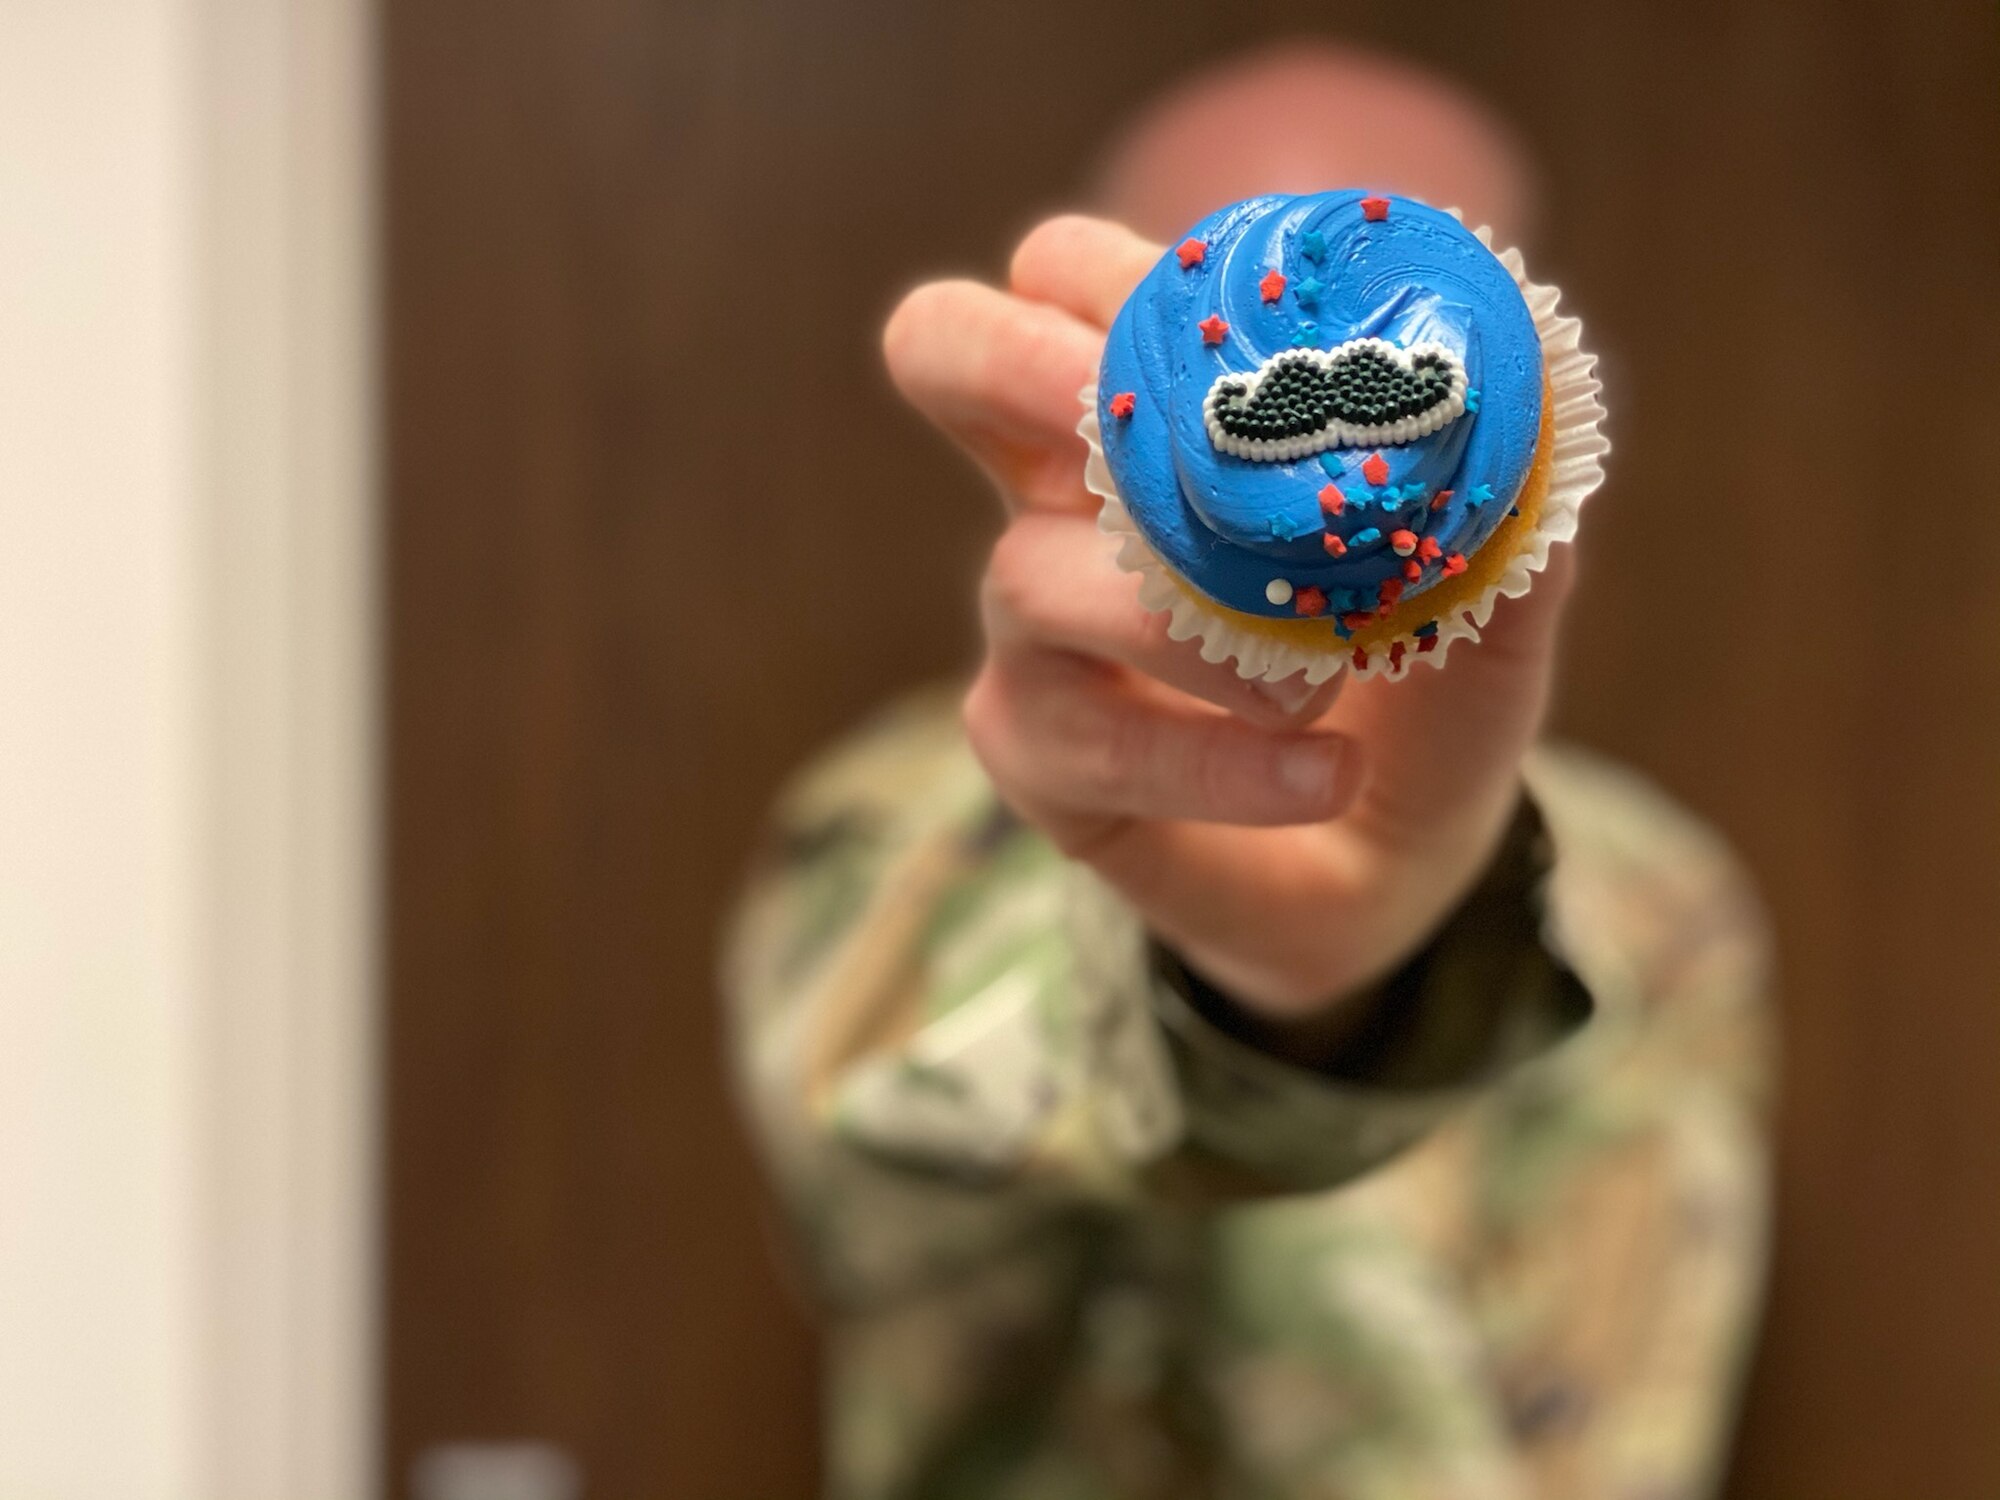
point(1320, 523)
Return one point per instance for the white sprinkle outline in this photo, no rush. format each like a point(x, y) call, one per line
point(1335, 434)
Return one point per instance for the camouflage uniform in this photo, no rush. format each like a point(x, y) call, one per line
point(1075, 1239)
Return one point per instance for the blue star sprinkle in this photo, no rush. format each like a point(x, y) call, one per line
point(1312, 245)
point(1308, 291)
point(1286, 528)
point(1472, 400)
point(1481, 493)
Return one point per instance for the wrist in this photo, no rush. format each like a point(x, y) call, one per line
point(1482, 991)
point(1400, 895)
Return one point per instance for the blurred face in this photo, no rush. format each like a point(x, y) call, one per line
point(1348, 120)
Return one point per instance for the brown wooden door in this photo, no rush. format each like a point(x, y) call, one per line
point(611, 225)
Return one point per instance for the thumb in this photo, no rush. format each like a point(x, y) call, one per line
point(1446, 745)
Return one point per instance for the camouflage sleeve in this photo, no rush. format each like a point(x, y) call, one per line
point(1485, 994)
point(1554, 1293)
point(948, 1035)
point(1626, 1192)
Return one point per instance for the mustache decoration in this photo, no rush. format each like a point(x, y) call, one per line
point(1365, 392)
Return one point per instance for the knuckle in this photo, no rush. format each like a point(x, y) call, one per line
point(990, 730)
point(1081, 838)
point(1039, 345)
point(1293, 717)
point(1012, 589)
point(915, 321)
point(1155, 638)
point(982, 714)
point(1110, 755)
point(1212, 777)
point(1049, 243)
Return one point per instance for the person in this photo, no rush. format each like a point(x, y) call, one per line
point(1181, 1087)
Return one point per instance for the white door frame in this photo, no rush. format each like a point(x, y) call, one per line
point(286, 93)
point(187, 750)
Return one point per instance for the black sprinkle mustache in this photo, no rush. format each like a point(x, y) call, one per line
point(1363, 392)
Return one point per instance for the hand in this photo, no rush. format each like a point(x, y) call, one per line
point(1292, 844)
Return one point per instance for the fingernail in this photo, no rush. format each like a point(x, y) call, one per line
point(1307, 769)
point(1290, 694)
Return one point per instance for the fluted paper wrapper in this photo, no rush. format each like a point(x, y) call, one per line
point(1574, 473)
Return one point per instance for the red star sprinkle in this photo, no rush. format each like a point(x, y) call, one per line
point(1335, 547)
point(1441, 499)
point(1124, 403)
point(1395, 655)
point(1212, 329)
point(1390, 591)
point(1357, 619)
point(1375, 469)
point(1428, 549)
point(1309, 601)
point(1413, 570)
point(1404, 541)
point(1331, 500)
point(1360, 657)
point(1192, 253)
point(1427, 643)
point(1374, 208)
point(1454, 565)
point(1273, 285)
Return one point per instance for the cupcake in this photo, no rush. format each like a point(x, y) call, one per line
point(1331, 430)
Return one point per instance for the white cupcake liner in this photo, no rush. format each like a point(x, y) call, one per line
point(1574, 473)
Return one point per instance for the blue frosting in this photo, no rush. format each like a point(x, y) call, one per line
point(1231, 525)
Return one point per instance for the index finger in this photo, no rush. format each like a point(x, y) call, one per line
point(1085, 266)
point(999, 376)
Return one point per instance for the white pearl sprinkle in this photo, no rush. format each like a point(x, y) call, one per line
point(1278, 591)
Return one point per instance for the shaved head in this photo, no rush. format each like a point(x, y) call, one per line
point(1301, 117)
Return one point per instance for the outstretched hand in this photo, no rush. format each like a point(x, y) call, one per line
point(1293, 844)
